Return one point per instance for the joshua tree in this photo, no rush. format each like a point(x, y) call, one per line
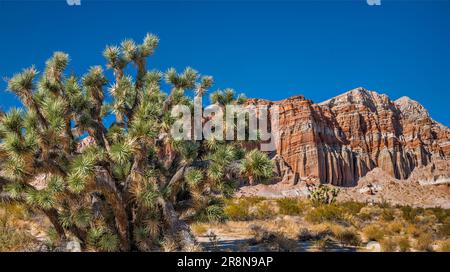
point(256, 166)
point(120, 184)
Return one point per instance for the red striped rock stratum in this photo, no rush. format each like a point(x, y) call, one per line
point(340, 140)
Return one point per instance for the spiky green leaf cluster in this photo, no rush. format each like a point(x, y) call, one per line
point(194, 177)
point(147, 196)
point(102, 239)
point(257, 164)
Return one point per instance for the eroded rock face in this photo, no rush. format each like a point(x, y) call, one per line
point(340, 140)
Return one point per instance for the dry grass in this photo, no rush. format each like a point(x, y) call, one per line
point(414, 231)
point(263, 210)
point(199, 229)
point(347, 224)
point(444, 246)
point(273, 241)
point(373, 233)
point(13, 237)
point(348, 237)
point(370, 213)
point(404, 244)
point(395, 227)
point(424, 242)
point(388, 244)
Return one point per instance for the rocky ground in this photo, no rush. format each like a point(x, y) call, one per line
point(426, 187)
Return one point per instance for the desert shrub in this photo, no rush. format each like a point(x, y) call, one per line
point(275, 241)
point(387, 245)
point(395, 226)
point(284, 244)
point(240, 209)
point(388, 214)
point(214, 213)
point(409, 213)
point(289, 206)
point(414, 230)
point(263, 210)
point(16, 211)
point(444, 246)
point(322, 244)
point(237, 212)
point(352, 207)
point(373, 233)
point(321, 231)
point(305, 235)
point(253, 200)
point(424, 242)
point(427, 219)
point(444, 230)
point(199, 228)
point(369, 213)
point(403, 244)
point(441, 214)
point(384, 204)
point(364, 216)
point(348, 237)
point(324, 213)
point(13, 238)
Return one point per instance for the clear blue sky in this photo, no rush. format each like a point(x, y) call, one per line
point(265, 49)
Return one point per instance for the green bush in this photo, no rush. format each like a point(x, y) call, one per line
point(236, 212)
point(263, 210)
point(324, 213)
point(289, 206)
point(239, 209)
point(387, 214)
point(352, 207)
point(444, 230)
point(441, 214)
point(409, 213)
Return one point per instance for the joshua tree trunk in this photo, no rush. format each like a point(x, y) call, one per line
point(251, 180)
point(106, 186)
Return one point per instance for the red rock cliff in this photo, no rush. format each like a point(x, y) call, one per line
point(339, 140)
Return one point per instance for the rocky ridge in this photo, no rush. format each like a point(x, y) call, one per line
point(340, 140)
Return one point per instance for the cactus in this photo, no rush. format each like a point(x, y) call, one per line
point(322, 194)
